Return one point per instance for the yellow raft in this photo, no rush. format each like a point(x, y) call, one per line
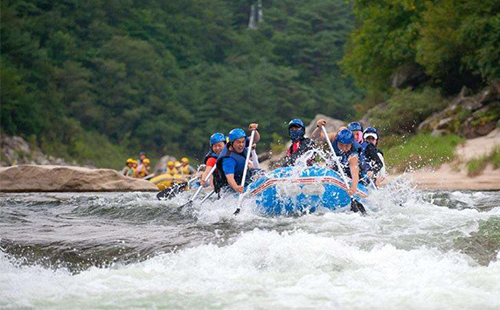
point(168, 180)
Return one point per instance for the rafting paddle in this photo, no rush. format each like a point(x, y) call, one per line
point(249, 151)
point(355, 205)
point(206, 197)
point(190, 201)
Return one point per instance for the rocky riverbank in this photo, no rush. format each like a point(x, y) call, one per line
point(37, 178)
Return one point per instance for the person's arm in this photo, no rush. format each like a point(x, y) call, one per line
point(211, 162)
point(232, 182)
point(318, 135)
point(353, 165)
point(204, 175)
point(228, 165)
point(254, 126)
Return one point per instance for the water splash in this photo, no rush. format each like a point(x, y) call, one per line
point(413, 250)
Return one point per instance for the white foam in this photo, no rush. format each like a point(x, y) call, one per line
point(267, 269)
point(399, 256)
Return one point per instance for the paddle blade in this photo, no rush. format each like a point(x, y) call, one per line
point(187, 204)
point(357, 206)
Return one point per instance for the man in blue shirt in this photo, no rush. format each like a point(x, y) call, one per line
point(231, 161)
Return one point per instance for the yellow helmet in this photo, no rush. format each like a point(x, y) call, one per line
point(170, 164)
point(130, 161)
point(146, 161)
point(185, 160)
point(177, 164)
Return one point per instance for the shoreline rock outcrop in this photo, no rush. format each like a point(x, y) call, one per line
point(37, 178)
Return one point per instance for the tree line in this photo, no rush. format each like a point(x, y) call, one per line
point(102, 80)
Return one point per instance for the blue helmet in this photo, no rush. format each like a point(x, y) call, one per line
point(296, 122)
point(216, 138)
point(236, 134)
point(355, 126)
point(370, 132)
point(345, 136)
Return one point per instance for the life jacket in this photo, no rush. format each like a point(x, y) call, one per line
point(130, 172)
point(220, 179)
point(344, 159)
point(364, 161)
point(142, 172)
point(209, 155)
point(297, 149)
point(171, 171)
point(185, 170)
point(369, 163)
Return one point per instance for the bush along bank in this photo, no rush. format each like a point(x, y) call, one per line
point(423, 128)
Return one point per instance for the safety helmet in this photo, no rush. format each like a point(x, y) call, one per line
point(146, 161)
point(370, 132)
point(185, 160)
point(177, 164)
point(236, 134)
point(216, 138)
point(130, 161)
point(355, 126)
point(170, 164)
point(296, 122)
point(345, 136)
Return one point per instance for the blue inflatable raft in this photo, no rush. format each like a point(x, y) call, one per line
point(294, 191)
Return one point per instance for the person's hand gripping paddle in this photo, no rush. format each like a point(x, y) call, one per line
point(240, 199)
point(355, 205)
point(190, 201)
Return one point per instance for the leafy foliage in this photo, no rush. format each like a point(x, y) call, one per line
point(456, 43)
point(406, 109)
point(161, 76)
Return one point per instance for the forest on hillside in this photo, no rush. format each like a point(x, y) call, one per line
point(103, 80)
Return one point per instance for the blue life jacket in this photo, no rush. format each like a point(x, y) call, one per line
point(210, 154)
point(240, 159)
point(344, 158)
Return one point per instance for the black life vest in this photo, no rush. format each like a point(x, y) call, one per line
point(297, 149)
point(220, 179)
point(209, 155)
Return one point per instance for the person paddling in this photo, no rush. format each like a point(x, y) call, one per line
point(231, 161)
point(217, 143)
point(372, 157)
point(348, 158)
point(300, 144)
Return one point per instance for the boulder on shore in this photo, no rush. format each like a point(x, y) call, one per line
point(35, 178)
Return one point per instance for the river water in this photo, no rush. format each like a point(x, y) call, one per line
point(414, 250)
